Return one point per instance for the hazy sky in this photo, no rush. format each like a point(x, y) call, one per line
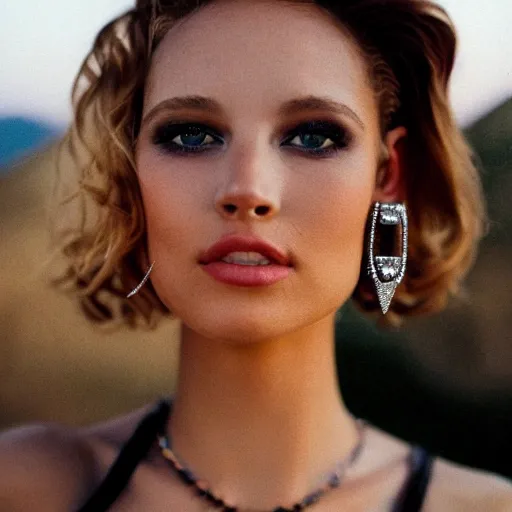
point(42, 44)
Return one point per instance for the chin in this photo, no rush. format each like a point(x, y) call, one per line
point(238, 327)
point(262, 323)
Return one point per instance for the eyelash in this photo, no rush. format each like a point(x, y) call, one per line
point(164, 134)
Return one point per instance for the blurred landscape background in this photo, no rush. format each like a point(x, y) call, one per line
point(443, 381)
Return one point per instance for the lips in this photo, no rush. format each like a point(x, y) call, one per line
point(244, 243)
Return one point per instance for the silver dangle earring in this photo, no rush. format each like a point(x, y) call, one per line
point(387, 270)
point(142, 283)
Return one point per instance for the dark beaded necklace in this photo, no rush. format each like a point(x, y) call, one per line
point(203, 490)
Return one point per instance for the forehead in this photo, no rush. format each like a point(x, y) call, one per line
point(258, 51)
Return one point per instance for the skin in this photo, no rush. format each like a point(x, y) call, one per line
point(257, 411)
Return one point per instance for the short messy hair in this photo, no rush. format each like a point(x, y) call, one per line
point(409, 47)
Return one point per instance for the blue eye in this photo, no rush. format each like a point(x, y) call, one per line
point(319, 138)
point(312, 141)
point(194, 137)
point(185, 138)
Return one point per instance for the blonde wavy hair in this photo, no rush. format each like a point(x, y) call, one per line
point(409, 47)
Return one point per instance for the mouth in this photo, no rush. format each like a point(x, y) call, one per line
point(245, 261)
point(251, 259)
point(245, 250)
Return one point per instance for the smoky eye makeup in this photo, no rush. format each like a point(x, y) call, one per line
point(317, 138)
point(185, 137)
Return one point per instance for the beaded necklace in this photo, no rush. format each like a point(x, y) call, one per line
point(204, 491)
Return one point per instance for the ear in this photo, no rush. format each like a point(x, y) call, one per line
point(390, 182)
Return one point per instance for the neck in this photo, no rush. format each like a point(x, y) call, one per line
point(264, 422)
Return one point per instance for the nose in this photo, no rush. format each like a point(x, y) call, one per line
point(251, 189)
point(245, 206)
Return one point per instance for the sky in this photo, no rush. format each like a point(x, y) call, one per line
point(42, 45)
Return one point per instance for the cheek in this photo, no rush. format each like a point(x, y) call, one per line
point(333, 225)
point(337, 201)
point(172, 204)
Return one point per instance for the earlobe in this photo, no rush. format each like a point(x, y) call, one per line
point(390, 177)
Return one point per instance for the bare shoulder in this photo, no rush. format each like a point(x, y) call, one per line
point(43, 467)
point(49, 467)
point(457, 488)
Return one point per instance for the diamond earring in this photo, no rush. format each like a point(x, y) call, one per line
point(142, 283)
point(387, 270)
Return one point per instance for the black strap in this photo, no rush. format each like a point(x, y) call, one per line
point(132, 452)
point(415, 489)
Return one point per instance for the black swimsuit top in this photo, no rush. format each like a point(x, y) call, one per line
point(138, 445)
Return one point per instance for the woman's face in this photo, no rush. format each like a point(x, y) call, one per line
point(283, 147)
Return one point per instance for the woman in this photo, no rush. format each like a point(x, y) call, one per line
point(239, 150)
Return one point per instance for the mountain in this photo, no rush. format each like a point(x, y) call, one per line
point(19, 136)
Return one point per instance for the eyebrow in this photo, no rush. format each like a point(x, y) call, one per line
point(318, 103)
point(199, 103)
point(290, 107)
